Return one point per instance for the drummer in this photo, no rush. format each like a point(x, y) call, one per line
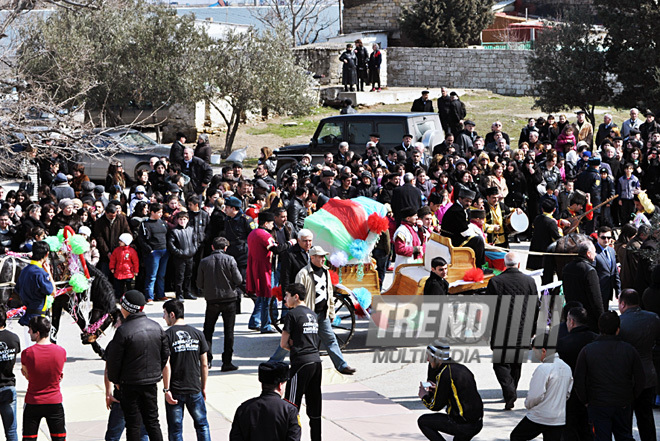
point(496, 211)
point(579, 202)
point(408, 238)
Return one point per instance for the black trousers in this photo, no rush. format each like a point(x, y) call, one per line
point(182, 273)
point(508, 375)
point(577, 421)
point(479, 247)
point(381, 264)
point(306, 381)
point(121, 286)
point(606, 421)
point(140, 406)
point(213, 311)
point(54, 414)
point(643, 407)
point(527, 430)
point(432, 423)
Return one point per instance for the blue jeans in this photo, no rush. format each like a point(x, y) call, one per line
point(155, 266)
point(8, 411)
point(260, 317)
point(328, 338)
point(117, 423)
point(197, 409)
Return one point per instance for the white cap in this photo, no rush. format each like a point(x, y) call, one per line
point(127, 238)
point(317, 251)
point(85, 230)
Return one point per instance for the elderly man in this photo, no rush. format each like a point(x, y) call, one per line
point(507, 360)
point(315, 277)
point(199, 172)
point(604, 129)
point(581, 283)
point(423, 103)
point(631, 124)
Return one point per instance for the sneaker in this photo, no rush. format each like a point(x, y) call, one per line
point(269, 330)
point(372, 90)
point(190, 296)
point(378, 90)
point(254, 328)
point(390, 268)
point(228, 367)
point(150, 301)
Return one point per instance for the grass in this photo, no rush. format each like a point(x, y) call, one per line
point(305, 125)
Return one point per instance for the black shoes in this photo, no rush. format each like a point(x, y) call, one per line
point(228, 367)
point(347, 371)
point(190, 296)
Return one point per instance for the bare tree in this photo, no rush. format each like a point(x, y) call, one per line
point(304, 20)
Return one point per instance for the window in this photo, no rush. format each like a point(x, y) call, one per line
point(391, 133)
point(424, 126)
point(358, 133)
point(331, 133)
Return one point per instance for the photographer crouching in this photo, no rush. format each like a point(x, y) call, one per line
point(450, 385)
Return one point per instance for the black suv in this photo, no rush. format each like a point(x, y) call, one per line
point(355, 129)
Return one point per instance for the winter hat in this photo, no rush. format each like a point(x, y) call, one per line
point(60, 177)
point(85, 230)
point(127, 238)
point(133, 301)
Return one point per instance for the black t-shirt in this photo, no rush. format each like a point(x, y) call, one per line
point(321, 283)
point(186, 344)
point(303, 328)
point(10, 345)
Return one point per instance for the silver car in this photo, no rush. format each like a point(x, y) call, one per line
point(131, 147)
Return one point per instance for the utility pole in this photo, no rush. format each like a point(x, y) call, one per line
point(341, 18)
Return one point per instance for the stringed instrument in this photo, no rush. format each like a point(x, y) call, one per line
point(575, 220)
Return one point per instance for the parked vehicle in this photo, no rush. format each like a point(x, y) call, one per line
point(356, 128)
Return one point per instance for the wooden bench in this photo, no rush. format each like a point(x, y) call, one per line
point(409, 279)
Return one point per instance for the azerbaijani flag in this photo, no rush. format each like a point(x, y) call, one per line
point(495, 260)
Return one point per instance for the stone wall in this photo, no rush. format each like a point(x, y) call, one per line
point(373, 14)
point(500, 71)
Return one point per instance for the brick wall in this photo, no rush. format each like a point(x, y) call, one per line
point(373, 14)
point(500, 71)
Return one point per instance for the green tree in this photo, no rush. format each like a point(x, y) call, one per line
point(633, 49)
point(446, 23)
point(126, 53)
point(569, 69)
point(251, 71)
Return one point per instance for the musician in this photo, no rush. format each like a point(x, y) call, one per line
point(408, 238)
point(496, 211)
point(589, 181)
point(545, 232)
point(455, 226)
point(574, 212)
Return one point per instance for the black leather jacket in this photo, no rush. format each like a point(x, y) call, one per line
point(296, 212)
point(138, 352)
point(181, 242)
point(218, 276)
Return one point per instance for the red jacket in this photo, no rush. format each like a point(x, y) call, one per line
point(124, 263)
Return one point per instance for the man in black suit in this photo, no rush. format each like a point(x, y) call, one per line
point(568, 348)
point(517, 302)
point(608, 273)
point(642, 330)
point(455, 226)
point(406, 196)
point(436, 283)
point(581, 283)
point(545, 232)
point(423, 103)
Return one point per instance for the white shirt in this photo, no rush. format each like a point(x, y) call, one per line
point(549, 389)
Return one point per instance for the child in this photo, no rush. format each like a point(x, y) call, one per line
point(35, 235)
point(124, 265)
point(607, 190)
point(182, 247)
point(477, 221)
point(550, 194)
point(92, 255)
point(627, 186)
point(565, 195)
point(139, 195)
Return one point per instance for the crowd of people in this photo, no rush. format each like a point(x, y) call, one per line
point(179, 227)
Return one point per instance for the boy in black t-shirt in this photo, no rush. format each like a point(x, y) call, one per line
point(10, 345)
point(184, 376)
point(300, 336)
